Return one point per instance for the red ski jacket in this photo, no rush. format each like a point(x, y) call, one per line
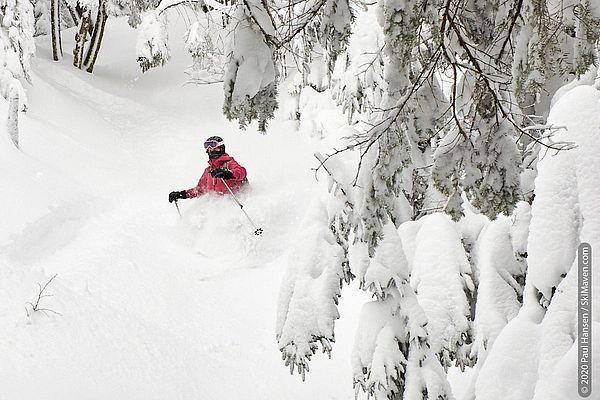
point(208, 184)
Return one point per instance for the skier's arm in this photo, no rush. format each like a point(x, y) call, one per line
point(239, 172)
point(200, 188)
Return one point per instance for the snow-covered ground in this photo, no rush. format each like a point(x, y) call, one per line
point(146, 305)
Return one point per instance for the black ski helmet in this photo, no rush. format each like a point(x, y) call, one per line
point(212, 142)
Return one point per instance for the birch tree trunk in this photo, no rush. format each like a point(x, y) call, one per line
point(97, 35)
point(75, 15)
point(55, 27)
point(81, 37)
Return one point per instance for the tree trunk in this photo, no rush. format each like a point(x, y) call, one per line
point(12, 122)
point(81, 37)
point(74, 12)
point(98, 34)
point(55, 26)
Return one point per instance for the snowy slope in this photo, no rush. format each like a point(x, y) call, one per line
point(151, 306)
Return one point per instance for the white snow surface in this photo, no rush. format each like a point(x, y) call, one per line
point(151, 306)
point(508, 383)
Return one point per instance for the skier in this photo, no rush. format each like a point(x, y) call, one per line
point(221, 168)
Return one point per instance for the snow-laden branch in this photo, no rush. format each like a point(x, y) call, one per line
point(309, 293)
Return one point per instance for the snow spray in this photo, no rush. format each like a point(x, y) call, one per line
point(257, 231)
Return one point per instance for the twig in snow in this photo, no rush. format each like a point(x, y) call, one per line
point(36, 307)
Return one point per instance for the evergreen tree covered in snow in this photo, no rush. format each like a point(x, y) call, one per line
point(540, 65)
point(400, 348)
point(467, 147)
point(536, 353)
point(469, 142)
point(478, 155)
point(393, 355)
point(498, 257)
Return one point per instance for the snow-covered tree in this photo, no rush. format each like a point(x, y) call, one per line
point(260, 35)
point(17, 38)
point(132, 9)
point(89, 33)
point(536, 353)
point(467, 146)
point(393, 355)
point(16, 49)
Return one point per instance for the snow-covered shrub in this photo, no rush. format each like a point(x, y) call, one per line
point(204, 41)
point(152, 48)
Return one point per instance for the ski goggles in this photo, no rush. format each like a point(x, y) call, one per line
point(210, 144)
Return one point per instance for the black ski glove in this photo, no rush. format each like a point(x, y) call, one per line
point(221, 173)
point(174, 196)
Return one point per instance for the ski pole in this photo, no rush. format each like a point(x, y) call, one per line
point(177, 205)
point(258, 231)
